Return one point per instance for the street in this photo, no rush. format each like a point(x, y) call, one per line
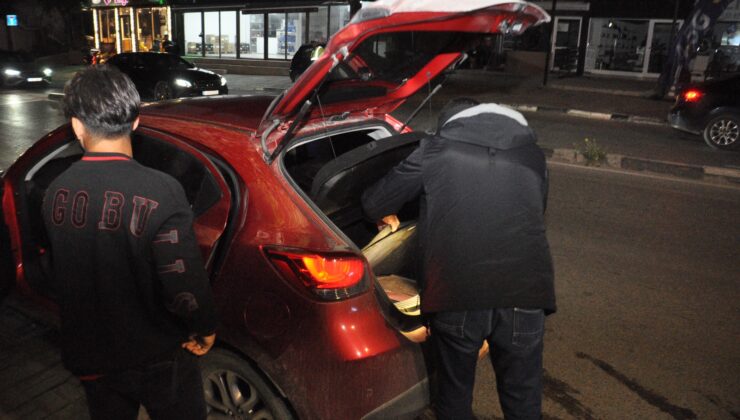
point(646, 278)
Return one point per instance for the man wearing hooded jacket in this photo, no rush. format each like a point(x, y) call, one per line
point(487, 270)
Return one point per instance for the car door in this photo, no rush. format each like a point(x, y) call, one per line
point(7, 271)
point(26, 181)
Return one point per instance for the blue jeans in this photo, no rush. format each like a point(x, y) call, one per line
point(515, 337)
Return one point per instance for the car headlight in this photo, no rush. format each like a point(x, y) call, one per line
point(47, 72)
point(223, 81)
point(11, 72)
point(183, 83)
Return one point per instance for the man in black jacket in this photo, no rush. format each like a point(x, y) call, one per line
point(487, 270)
point(135, 303)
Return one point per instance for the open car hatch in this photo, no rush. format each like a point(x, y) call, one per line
point(388, 51)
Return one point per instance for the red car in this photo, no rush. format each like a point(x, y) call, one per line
point(306, 329)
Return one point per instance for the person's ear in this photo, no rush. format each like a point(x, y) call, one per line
point(135, 124)
point(79, 129)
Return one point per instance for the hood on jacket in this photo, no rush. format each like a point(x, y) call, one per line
point(489, 125)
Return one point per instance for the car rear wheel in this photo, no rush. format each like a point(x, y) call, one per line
point(162, 91)
point(723, 132)
point(233, 389)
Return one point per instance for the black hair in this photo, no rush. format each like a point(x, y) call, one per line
point(453, 107)
point(103, 99)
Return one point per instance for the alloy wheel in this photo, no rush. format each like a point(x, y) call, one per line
point(230, 396)
point(724, 132)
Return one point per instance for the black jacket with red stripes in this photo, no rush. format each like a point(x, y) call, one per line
point(131, 281)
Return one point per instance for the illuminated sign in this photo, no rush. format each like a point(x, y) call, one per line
point(11, 20)
point(122, 3)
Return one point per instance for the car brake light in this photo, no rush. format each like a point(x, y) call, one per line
point(331, 276)
point(692, 95)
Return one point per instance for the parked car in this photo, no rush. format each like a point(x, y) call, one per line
point(18, 69)
point(710, 109)
point(303, 58)
point(304, 284)
point(161, 76)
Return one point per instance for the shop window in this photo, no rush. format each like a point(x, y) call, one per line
point(339, 17)
point(252, 36)
point(211, 33)
point(151, 24)
point(107, 30)
point(277, 36)
point(295, 35)
point(317, 25)
point(193, 33)
point(228, 34)
point(124, 17)
point(617, 44)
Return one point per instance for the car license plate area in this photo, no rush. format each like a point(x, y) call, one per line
point(33, 79)
point(210, 92)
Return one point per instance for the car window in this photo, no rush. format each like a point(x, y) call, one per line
point(200, 187)
point(165, 62)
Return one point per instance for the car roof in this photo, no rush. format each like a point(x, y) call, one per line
point(243, 112)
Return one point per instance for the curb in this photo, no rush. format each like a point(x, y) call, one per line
point(55, 96)
point(636, 119)
point(710, 174)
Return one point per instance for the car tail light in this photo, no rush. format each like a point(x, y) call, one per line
point(331, 276)
point(692, 95)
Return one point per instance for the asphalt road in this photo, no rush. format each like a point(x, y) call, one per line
point(647, 284)
point(648, 300)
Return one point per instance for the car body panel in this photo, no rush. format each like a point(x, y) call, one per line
point(718, 96)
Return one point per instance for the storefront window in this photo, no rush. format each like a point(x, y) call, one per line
point(660, 44)
point(251, 31)
point(151, 26)
point(124, 17)
point(317, 25)
point(338, 19)
point(193, 33)
point(617, 44)
point(211, 32)
point(276, 36)
point(296, 28)
point(228, 34)
point(107, 30)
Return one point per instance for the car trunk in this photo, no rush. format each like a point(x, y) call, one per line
point(332, 172)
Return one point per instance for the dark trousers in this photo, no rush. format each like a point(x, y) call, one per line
point(169, 389)
point(515, 337)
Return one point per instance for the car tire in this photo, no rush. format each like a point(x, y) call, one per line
point(162, 91)
point(234, 389)
point(723, 132)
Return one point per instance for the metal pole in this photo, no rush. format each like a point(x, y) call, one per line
point(550, 39)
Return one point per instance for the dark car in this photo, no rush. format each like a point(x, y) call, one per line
point(303, 58)
point(711, 109)
point(303, 283)
point(160, 76)
point(18, 69)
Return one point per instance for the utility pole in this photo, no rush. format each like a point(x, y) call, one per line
point(549, 41)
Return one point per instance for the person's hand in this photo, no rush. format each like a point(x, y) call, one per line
point(199, 345)
point(390, 220)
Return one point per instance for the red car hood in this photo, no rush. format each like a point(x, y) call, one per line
point(366, 67)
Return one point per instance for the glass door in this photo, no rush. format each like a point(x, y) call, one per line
point(566, 38)
point(660, 39)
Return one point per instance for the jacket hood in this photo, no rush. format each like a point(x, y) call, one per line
point(489, 125)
